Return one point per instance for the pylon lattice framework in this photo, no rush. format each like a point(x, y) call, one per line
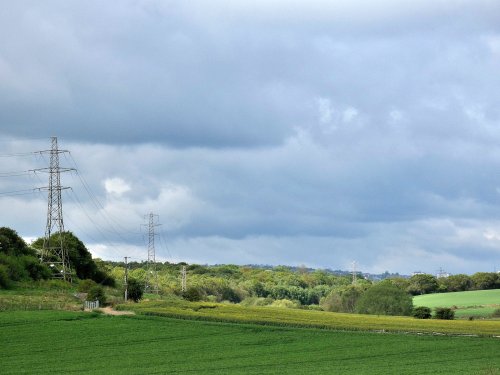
point(54, 253)
point(151, 273)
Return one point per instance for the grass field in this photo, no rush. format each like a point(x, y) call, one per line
point(44, 342)
point(306, 318)
point(478, 303)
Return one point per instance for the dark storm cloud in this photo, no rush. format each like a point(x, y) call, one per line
point(268, 131)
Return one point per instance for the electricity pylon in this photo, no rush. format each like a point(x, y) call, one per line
point(54, 253)
point(151, 273)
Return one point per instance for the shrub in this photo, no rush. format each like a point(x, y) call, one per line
point(285, 303)
point(229, 294)
point(444, 313)
point(422, 312)
point(192, 294)
point(85, 285)
point(256, 301)
point(4, 277)
point(496, 313)
point(135, 290)
point(96, 293)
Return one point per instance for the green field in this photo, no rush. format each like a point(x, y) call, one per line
point(307, 318)
point(479, 303)
point(46, 342)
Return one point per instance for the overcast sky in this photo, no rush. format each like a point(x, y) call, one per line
point(312, 133)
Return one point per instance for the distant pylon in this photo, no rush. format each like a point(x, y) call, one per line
point(151, 273)
point(54, 253)
point(183, 279)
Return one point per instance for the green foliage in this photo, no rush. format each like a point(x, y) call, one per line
point(5, 282)
point(12, 244)
point(455, 283)
point(135, 290)
point(343, 299)
point(422, 284)
point(84, 286)
point(422, 312)
point(444, 313)
point(496, 313)
point(18, 259)
point(36, 270)
point(285, 303)
point(256, 301)
point(485, 280)
point(96, 293)
point(192, 294)
point(385, 299)
point(80, 258)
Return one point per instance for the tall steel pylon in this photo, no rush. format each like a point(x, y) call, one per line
point(151, 273)
point(54, 253)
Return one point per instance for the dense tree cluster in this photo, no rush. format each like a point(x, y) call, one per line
point(18, 262)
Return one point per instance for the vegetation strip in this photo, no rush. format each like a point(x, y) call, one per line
point(311, 319)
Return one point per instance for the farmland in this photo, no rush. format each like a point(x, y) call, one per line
point(45, 342)
point(479, 303)
point(307, 318)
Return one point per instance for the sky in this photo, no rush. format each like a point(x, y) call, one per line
point(313, 133)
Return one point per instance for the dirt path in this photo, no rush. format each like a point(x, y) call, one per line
point(110, 311)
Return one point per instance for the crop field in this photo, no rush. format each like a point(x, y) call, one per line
point(480, 303)
point(307, 318)
point(44, 342)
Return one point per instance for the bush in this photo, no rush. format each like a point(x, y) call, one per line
point(135, 290)
point(422, 312)
point(444, 313)
point(192, 294)
point(4, 277)
point(286, 303)
point(496, 313)
point(85, 285)
point(96, 293)
point(229, 294)
point(256, 301)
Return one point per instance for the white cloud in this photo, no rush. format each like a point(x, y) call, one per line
point(116, 186)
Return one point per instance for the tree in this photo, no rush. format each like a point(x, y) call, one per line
point(422, 284)
point(135, 290)
point(79, 257)
point(385, 298)
point(485, 280)
point(18, 260)
point(343, 299)
point(455, 283)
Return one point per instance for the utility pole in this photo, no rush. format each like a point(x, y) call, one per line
point(354, 275)
point(151, 274)
point(54, 253)
point(126, 279)
point(183, 278)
